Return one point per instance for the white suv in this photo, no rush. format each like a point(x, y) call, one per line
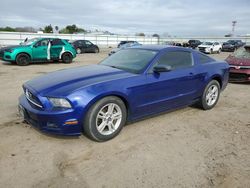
point(210, 47)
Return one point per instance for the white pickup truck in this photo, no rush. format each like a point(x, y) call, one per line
point(210, 47)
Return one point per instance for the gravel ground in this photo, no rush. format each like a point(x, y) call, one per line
point(185, 148)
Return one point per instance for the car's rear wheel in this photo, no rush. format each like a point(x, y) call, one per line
point(211, 51)
point(210, 95)
point(23, 59)
point(105, 119)
point(219, 51)
point(67, 57)
point(78, 51)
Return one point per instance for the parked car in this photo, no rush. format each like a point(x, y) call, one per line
point(239, 63)
point(39, 50)
point(193, 43)
point(125, 42)
point(232, 45)
point(210, 47)
point(170, 43)
point(128, 85)
point(124, 46)
point(83, 46)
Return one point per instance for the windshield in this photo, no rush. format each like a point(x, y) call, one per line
point(242, 53)
point(232, 41)
point(29, 42)
point(131, 60)
point(207, 43)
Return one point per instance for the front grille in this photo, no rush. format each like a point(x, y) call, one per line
point(32, 99)
point(202, 49)
point(237, 77)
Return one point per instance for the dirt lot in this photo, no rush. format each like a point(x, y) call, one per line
point(186, 148)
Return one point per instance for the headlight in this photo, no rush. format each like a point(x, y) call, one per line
point(9, 50)
point(60, 102)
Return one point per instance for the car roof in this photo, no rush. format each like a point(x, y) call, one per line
point(40, 38)
point(158, 47)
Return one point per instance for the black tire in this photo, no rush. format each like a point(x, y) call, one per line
point(67, 57)
point(78, 51)
point(219, 51)
point(203, 102)
point(22, 59)
point(211, 51)
point(96, 50)
point(90, 121)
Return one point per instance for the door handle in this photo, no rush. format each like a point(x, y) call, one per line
point(191, 73)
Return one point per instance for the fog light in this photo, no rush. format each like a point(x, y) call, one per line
point(71, 122)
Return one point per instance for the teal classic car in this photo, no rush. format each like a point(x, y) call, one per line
point(39, 50)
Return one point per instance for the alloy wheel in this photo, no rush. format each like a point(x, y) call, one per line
point(108, 119)
point(212, 95)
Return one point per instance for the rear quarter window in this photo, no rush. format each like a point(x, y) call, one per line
point(204, 59)
point(57, 42)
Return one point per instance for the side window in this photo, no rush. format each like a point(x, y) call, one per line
point(204, 59)
point(177, 59)
point(55, 42)
point(88, 43)
point(43, 42)
point(216, 43)
point(81, 43)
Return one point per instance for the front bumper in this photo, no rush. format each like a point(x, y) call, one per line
point(7, 56)
point(204, 49)
point(228, 49)
point(239, 75)
point(54, 122)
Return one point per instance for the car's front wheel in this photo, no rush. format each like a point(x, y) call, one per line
point(78, 51)
point(210, 95)
point(105, 119)
point(23, 59)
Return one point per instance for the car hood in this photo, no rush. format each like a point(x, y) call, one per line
point(66, 81)
point(9, 47)
point(237, 61)
point(227, 45)
point(13, 47)
point(205, 46)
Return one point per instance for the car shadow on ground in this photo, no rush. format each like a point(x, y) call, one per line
point(34, 63)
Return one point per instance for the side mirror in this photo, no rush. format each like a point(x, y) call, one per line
point(162, 68)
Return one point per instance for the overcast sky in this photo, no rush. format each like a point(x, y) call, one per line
point(176, 17)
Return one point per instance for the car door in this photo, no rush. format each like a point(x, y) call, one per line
point(171, 89)
point(81, 44)
point(39, 50)
point(56, 48)
point(89, 46)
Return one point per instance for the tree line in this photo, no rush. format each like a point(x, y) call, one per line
point(69, 29)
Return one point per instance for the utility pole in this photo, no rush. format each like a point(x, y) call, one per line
point(233, 26)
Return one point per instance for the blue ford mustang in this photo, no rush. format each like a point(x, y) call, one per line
point(131, 84)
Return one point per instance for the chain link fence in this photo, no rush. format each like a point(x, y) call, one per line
point(14, 38)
